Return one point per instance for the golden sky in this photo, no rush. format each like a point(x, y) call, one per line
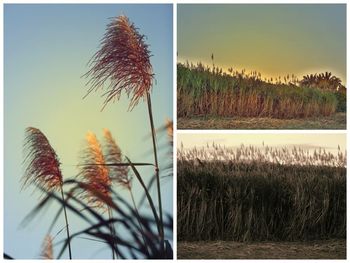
point(274, 39)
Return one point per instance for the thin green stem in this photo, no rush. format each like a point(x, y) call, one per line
point(67, 225)
point(111, 227)
point(139, 221)
point(156, 171)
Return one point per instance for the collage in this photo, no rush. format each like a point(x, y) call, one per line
point(174, 130)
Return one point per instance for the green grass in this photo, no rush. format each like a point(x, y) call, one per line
point(335, 121)
point(210, 92)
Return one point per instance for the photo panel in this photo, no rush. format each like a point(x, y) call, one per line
point(261, 66)
point(88, 131)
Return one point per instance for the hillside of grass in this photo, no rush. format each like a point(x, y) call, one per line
point(202, 91)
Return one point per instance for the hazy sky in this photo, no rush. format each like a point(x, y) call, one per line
point(306, 141)
point(46, 49)
point(275, 40)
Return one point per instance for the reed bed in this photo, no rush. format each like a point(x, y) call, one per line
point(251, 199)
point(211, 92)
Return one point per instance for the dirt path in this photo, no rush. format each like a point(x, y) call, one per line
point(324, 249)
point(337, 121)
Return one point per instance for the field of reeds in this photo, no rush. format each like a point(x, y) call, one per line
point(205, 91)
point(260, 194)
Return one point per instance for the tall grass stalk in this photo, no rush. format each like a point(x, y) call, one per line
point(43, 168)
point(120, 174)
point(94, 173)
point(124, 62)
point(156, 169)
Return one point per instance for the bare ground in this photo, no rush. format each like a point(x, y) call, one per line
point(323, 249)
point(336, 121)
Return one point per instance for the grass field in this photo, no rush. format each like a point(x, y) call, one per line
point(324, 249)
point(246, 100)
point(336, 121)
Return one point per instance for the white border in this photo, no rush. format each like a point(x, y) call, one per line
point(174, 2)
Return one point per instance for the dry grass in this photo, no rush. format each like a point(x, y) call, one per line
point(336, 121)
point(321, 249)
point(257, 194)
point(42, 164)
point(113, 155)
point(124, 61)
point(47, 251)
point(94, 173)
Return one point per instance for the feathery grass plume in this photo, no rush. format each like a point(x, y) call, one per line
point(113, 154)
point(119, 174)
point(124, 61)
point(43, 167)
point(42, 164)
point(47, 251)
point(170, 130)
point(94, 172)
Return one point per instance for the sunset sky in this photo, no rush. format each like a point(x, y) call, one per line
point(46, 51)
point(274, 39)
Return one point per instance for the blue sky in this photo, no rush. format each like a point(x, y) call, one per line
point(46, 49)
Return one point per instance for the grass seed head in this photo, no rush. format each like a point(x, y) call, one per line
point(123, 60)
point(94, 173)
point(42, 164)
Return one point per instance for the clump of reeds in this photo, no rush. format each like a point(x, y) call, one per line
point(202, 91)
point(229, 198)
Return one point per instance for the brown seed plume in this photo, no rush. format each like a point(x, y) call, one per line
point(124, 61)
point(113, 154)
point(42, 164)
point(47, 252)
point(94, 173)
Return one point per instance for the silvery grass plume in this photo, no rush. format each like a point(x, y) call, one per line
point(47, 250)
point(42, 163)
point(113, 155)
point(123, 61)
point(43, 168)
point(94, 173)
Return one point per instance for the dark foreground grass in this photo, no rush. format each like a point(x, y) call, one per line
point(260, 201)
point(322, 249)
point(336, 121)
